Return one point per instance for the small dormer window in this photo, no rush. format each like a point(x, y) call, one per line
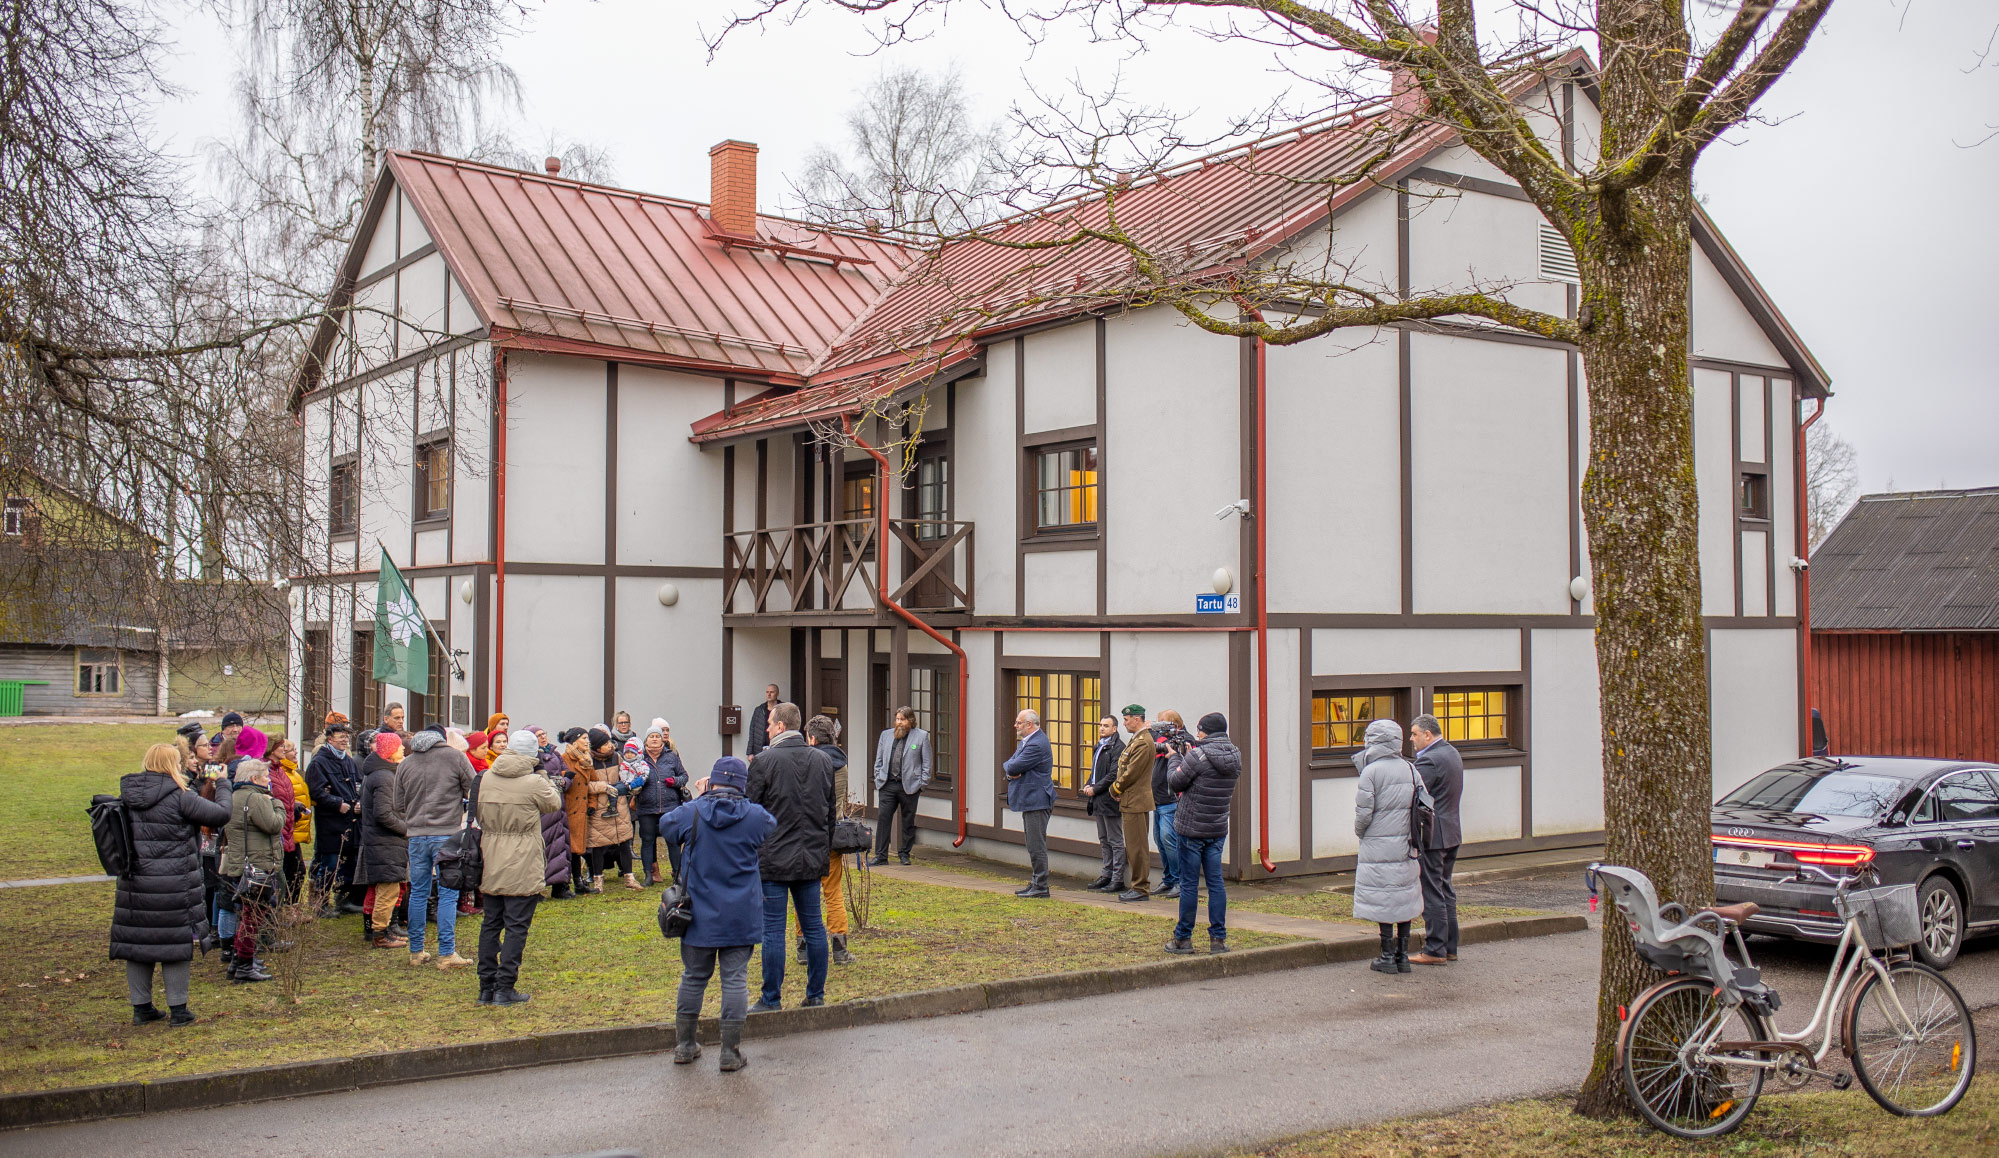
point(15, 521)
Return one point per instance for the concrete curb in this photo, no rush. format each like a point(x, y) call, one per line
point(331, 1075)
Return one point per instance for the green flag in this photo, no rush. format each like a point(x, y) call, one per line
point(402, 651)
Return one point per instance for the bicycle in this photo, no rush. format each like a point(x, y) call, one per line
point(1695, 1048)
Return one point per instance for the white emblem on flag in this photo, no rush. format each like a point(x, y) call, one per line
point(405, 621)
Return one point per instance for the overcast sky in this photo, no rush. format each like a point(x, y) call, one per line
point(1867, 211)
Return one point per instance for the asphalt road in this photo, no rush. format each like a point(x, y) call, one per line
point(1190, 1068)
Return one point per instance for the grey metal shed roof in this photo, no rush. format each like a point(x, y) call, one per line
point(1914, 561)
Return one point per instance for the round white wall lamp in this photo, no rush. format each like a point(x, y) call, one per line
point(1579, 588)
point(465, 591)
point(668, 595)
point(1224, 581)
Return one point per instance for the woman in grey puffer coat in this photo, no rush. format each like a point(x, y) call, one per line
point(1387, 886)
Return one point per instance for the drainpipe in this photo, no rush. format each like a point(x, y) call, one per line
point(1805, 688)
point(881, 593)
point(500, 532)
point(1262, 613)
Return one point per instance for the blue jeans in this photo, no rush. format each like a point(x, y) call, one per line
point(1169, 847)
point(805, 896)
point(1202, 858)
point(423, 866)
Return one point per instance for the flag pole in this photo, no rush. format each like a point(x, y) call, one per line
point(457, 672)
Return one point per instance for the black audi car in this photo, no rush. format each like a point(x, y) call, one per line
point(1930, 823)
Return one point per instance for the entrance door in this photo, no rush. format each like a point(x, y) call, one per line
point(932, 509)
point(833, 697)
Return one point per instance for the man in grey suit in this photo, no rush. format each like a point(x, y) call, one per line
point(1443, 773)
point(904, 760)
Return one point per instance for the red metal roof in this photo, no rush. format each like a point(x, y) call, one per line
point(587, 264)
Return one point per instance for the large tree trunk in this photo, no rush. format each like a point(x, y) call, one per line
point(1641, 508)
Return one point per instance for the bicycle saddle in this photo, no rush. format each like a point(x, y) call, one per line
point(1737, 913)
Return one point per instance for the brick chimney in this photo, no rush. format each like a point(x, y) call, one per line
point(1405, 95)
point(732, 183)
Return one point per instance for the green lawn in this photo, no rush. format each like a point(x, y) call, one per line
point(1339, 906)
point(596, 961)
point(1815, 1124)
point(48, 773)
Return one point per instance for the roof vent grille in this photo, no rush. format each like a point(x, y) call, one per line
point(1558, 261)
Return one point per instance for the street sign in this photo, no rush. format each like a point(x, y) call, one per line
point(1228, 604)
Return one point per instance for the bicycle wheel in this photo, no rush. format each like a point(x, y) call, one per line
point(1684, 1098)
point(1916, 1065)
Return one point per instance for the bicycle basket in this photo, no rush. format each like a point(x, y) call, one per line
point(1886, 915)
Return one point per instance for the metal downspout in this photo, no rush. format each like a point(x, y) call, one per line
point(500, 533)
point(1805, 688)
point(1262, 624)
point(881, 592)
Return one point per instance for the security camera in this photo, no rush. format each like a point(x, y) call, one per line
point(1240, 508)
point(1798, 564)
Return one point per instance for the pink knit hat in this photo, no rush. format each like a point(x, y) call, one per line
point(387, 744)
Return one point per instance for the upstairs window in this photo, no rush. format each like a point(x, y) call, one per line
point(1065, 488)
point(16, 518)
point(433, 479)
point(1752, 495)
point(344, 498)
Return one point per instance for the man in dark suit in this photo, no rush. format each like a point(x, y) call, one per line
point(903, 763)
point(1104, 807)
point(1443, 773)
point(759, 731)
point(1030, 791)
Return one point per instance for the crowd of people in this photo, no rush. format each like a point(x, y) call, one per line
point(221, 825)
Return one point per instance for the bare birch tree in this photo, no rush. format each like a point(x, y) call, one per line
point(915, 159)
point(1832, 481)
point(1668, 81)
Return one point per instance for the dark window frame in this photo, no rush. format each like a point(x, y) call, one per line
point(421, 511)
point(14, 522)
point(941, 674)
point(1322, 755)
point(1752, 495)
point(1510, 715)
point(1031, 490)
point(343, 510)
point(1083, 722)
point(115, 667)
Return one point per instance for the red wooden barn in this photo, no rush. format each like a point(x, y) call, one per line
point(1905, 626)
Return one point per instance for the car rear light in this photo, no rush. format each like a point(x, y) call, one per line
point(1836, 855)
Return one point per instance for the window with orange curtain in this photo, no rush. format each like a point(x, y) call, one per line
point(1065, 481)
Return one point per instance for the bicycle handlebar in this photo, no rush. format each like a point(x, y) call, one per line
point(1840, 883)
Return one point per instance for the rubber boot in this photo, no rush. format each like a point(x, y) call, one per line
point(732, 1040)
point(1386, 962)
point(685, 1048)
point(840, 954)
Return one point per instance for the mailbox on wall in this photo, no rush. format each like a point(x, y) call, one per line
point(732, 720)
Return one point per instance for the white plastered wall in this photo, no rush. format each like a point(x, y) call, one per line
point(1723, 329)
point(1490, 482)
point(668, 660)
point(763, 656)
point(1061, 582)
point(1714, 478)
point(1567, 732)
point(986, 456)
point(1395, 650)
point(669, 490)
point(1460, 240)
point(1339, 492)
point(1784, 492)
point(1060, 388)
point(981, 804)
point(471, 488)
point(1173, 478)
point(555, 462)
point(555, 649)
point(1753, 677)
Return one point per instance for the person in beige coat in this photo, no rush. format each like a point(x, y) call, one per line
point(512, 797)
point(1133, 790)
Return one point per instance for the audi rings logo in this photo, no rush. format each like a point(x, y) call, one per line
point(1739, 832)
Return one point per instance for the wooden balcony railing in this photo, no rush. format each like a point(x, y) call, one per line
point(832, 567)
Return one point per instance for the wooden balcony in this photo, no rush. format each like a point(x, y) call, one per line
point(831, 567)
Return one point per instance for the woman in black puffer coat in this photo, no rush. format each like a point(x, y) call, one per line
point(159, 909)
point(555, 828)
point(385, 843)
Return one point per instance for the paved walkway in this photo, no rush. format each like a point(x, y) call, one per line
point(1196, 1067)
point(37, 882)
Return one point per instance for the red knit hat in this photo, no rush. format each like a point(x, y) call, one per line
point(387, 744)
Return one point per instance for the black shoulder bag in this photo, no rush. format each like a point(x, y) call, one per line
point(1422, 817)
point(676, 904)
point(461, 863)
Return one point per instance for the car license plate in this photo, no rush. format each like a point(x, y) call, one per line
point(1744, 857)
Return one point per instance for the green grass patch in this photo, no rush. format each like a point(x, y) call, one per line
point(48, 773)
point(595, 961)
point(1339, 906)
point(1812, 1124)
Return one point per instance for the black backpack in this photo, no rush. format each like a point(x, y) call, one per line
point(111, 828)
